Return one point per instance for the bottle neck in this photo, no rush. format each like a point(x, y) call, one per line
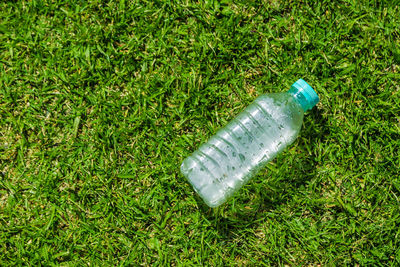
point(304, 94)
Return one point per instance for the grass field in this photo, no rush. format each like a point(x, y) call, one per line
point(100, 102)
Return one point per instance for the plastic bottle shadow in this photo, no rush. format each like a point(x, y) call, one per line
point(279, 189)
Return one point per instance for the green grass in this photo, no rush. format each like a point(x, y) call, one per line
point(100, 103)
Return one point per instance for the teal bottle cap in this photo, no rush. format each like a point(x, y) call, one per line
point(304, 94)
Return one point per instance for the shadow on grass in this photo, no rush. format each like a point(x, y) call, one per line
point(245, 214)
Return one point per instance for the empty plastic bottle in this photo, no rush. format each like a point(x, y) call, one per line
point(236, 152)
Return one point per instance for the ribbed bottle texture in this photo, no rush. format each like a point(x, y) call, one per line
point(231, 157)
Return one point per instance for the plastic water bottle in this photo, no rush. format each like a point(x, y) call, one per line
point(236, 152)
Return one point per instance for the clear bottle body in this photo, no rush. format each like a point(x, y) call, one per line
point(222, 165)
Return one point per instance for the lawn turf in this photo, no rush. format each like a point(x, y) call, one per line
point(100, 102)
